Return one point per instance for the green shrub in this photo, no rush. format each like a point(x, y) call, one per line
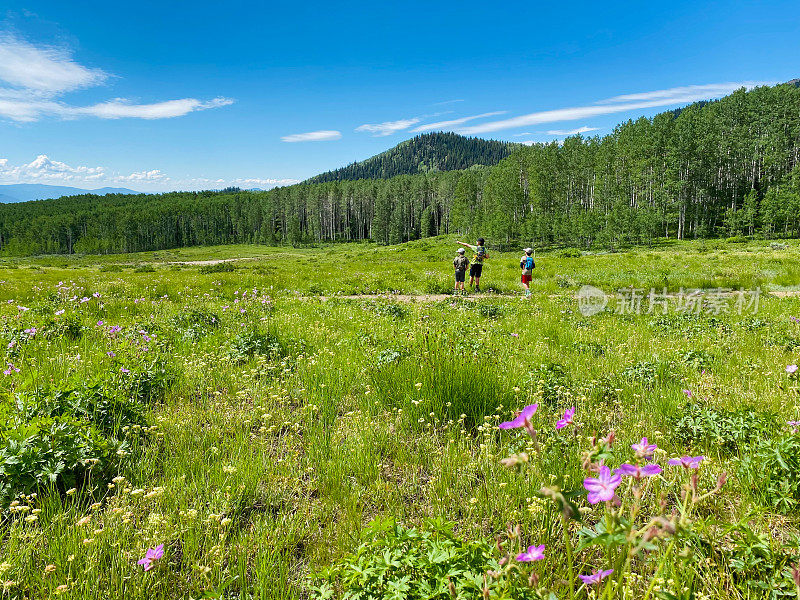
point(757, 566)
point(698, 359)
point(58, 439)
point(144, 269)
point(772, 469)
point(549, 380)
point(392, 310)
point(570, 253)
point(222, 267)
point(727, 430)
point(490, 311)
point(195, 323)
point(244, 346)
point(416, 564)
point(645, 373)
point(111, 268)
point(149, 382)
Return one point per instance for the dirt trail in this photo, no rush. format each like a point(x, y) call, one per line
point(411, 298)
point(214, 261)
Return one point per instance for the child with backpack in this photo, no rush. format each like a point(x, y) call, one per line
point(527, 264)
point(476, 264)
point(460, 263)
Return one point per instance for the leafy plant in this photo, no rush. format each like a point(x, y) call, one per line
point(245, 345)
point(428, 563)
point(220, 267)
point(549, 380)
point(773, 470)
point(727, 430)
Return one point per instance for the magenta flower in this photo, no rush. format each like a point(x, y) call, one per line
point(523, 419)
point(638, 471)
point(795, 425)
point(99, 323)
point(643, 449)
point(514, 335)
point(566, 419)
point(531, 554)
point(124, 371)
point(11, 369)
point(601, 488)
point(153, 554)
point(687, 462)
point(688, 393)
point(791, 369)
point(596, 577)
point(60, 312)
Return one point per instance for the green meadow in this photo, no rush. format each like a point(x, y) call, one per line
point(323, 422)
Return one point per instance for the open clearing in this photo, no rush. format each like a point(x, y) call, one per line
point(256, 415)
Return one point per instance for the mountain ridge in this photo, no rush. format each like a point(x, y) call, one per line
point(25, 192)
point(427, 152)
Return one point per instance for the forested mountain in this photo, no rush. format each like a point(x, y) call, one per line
point(729, 167)
point(23, 192)
point(423, 154)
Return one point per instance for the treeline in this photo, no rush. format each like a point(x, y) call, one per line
point(724, 168)
point(423, 154)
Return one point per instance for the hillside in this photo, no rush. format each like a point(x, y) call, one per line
point(726, 168)
point(423, 154)
point(25, 192)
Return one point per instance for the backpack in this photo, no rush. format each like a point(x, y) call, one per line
point(529, 265)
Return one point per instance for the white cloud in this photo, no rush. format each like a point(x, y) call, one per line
point(44, 70)
point(313, 136)
point(32, 79)
point(681, 95)
point(709, 90)
point(388, 127)
point(47, 171)
point(448, 124)
point(583, 129)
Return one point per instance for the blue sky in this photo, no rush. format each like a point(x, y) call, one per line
point(178, 95)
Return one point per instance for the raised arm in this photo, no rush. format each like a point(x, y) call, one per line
point(467, 245)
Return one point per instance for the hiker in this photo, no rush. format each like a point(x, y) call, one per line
point(476, 264)
point(460, 263)
point(527, 264)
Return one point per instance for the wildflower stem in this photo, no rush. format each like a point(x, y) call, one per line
point(568, 545)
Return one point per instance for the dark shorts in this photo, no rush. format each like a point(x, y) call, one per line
point(526, 278)
point(475, 270)
point(460, 276)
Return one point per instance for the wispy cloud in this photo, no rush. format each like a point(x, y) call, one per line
point(583, 129)
point(447, 102)
point(45, 70)
point(676, 94)
point(32, 80)
point(388, 127)
point(47, 171)
point(313, 136)
point(628, 102)
point(453, 122)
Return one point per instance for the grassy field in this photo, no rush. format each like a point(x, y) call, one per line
point(283, 439)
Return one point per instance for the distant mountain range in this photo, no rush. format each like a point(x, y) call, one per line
point(24, 192)
point(422, 154)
